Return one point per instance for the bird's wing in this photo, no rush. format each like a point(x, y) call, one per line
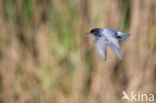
point(101, 46)
point(110, 32)
point(113, 43)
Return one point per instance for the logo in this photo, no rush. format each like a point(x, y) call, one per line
point(138, 97)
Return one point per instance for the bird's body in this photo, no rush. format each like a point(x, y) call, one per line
point(104, 37)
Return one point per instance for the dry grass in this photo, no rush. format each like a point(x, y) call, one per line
point(45, 57)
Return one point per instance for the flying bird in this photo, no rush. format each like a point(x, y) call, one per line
point(104, 37)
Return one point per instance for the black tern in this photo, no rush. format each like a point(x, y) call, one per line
point(104, 37)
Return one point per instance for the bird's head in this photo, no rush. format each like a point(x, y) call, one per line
point(95, 31)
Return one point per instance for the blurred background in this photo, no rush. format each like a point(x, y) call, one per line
point(45, 56)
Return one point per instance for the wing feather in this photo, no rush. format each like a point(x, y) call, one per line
point(115, 49)
point(112, 42)
point(101, 46)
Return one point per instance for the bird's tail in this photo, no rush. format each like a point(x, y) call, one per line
point(123, 36)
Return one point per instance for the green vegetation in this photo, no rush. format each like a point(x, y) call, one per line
point(45, 56)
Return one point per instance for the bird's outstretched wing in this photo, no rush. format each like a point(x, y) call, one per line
point(114, 45)
point(112, 42)
point(101, 46)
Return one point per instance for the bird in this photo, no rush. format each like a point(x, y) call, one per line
point(104, 37)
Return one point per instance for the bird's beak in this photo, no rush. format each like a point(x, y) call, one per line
point(88, 33)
